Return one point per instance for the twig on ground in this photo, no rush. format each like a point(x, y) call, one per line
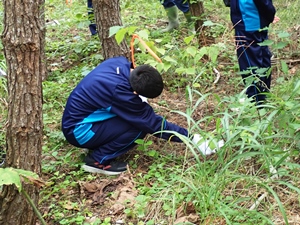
point(293, 61)
point(259, 200)
point(218, 75)
point(130, 175)
point(159, 106)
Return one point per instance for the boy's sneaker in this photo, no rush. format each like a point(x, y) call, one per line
point(86, 151)
point(112, 168)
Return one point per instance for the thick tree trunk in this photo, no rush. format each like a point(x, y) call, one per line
point(23, 39)
point(107, 14)
point(197, 10)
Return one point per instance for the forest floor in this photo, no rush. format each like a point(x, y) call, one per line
point(110, 197)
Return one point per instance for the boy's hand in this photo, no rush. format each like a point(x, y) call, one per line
point(276, 19)
point(204, 145)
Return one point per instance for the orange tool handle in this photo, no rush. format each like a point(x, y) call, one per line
point(134, 36)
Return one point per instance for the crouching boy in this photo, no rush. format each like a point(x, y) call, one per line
point(105, 113)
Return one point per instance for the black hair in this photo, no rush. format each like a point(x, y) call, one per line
point(146, 81)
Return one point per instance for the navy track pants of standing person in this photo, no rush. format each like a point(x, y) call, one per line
point(113, 137)
point(252, 56)
point(92, 25)
point(182, 5)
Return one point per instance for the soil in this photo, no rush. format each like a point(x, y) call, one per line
point(108, 197)
point(105, 196)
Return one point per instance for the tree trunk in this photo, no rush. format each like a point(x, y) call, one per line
point(107, 14)
point(197, 10)
point(23, 39)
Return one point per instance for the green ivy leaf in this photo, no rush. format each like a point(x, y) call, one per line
point(188, 39)
point(284, 67)
point(160, 67)
point(131, 30)
point(152, 153)
point(190, 70)
point(203, 51)
point(166, 66)
point(161, 50)
point(266, 43)
point(120, 35)
point(9, 176)
point(143, 34)
point(280, 80)
point(196, 85)
point(280, 45)
point(180, 70)
point(78, 15)
point(78, 49)
point(113, 30)
point(192, 51)
point(284, 35)
point(169, 59)
point(208, 23)
point(213, 53)
point(139, 141)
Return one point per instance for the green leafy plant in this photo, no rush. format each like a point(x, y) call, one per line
point(252, 179)
point(11, 176)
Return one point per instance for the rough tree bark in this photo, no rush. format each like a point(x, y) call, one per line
point(107, 14)
point(23, 39)
point(197, 10)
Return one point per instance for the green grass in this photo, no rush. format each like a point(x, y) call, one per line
point(261, 155)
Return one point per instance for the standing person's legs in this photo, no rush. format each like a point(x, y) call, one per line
point(92, 25)
point(167, 3)
point(252, 56)
point(182, 5)
point(172, 14)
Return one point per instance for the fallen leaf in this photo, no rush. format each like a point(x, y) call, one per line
point(192, 218)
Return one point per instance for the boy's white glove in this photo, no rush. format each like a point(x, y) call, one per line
point(203, 145)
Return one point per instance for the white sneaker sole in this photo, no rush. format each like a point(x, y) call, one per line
point(85, 150)
point(91, 169)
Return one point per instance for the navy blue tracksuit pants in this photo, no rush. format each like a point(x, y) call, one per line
point(182, 5)
point(92, 26)
point(108, 143)
point(252, 56)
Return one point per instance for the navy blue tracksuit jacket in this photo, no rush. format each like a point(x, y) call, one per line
point(103, 114)
point(248, 18)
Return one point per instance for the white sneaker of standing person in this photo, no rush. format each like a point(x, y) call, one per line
point(203, 145)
